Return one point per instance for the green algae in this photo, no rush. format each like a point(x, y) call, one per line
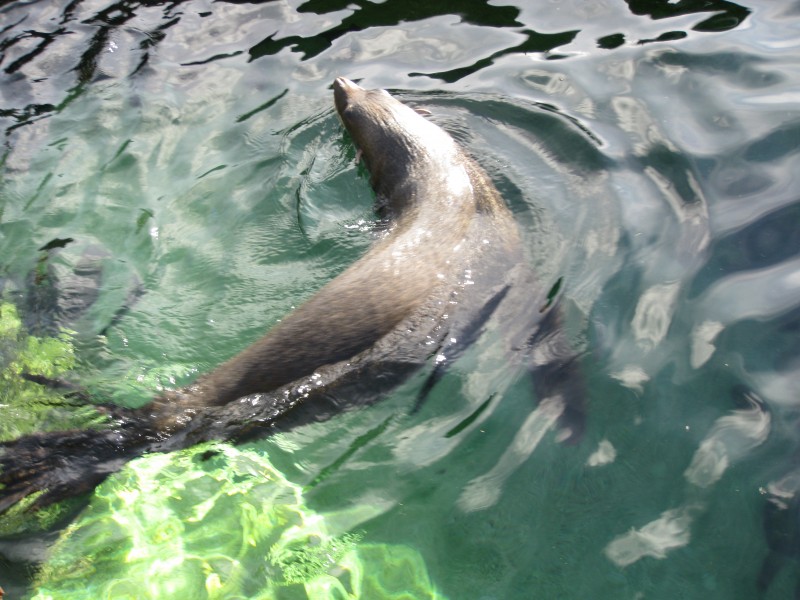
point(25, 406)
point(214, 522)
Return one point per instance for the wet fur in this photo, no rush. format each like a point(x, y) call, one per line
point(445, 258)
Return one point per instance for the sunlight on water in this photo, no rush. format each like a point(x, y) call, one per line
point(175, 180)
point(218, 522)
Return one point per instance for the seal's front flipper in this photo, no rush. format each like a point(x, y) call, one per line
point(555, 370)
point(564, 379)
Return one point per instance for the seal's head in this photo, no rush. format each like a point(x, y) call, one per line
point(392, 137)
point(374, 119)
point(367, 114)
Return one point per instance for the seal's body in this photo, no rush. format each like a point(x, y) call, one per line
point(445, 214)
point(423, 290)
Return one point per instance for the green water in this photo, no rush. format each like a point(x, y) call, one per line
point(649, 151)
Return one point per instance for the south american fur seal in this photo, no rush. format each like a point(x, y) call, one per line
point(446, 263)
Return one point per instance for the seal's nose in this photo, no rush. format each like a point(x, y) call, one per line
point(345, 84)
point(343, 89)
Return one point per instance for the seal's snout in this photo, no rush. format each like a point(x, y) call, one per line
point(343, 89)
point(346, 85)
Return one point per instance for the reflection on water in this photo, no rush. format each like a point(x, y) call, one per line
point(649, 151)
point(60, 48)
point(731, 438)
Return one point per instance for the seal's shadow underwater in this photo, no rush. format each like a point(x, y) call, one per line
point(450, 261)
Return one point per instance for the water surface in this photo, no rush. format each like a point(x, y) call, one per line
point(649, 150)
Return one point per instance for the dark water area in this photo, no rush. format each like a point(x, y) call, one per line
point(177, 173)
